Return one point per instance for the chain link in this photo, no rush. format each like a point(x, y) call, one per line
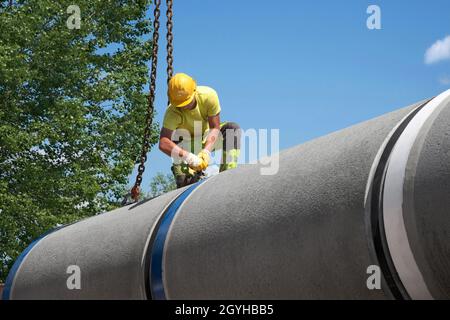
point(169, 25)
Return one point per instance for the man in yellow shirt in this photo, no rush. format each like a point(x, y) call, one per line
point(192, 122)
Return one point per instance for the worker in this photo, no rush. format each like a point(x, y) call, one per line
point(192, 123)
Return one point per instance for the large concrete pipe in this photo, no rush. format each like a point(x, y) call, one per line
point(376, 194)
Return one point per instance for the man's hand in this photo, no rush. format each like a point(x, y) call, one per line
point(204, 157)
point(192, 160)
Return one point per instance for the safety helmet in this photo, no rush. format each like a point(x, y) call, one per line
point(181, 90)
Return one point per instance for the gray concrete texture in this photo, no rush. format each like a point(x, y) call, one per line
point(109, 250)
point(300, 234)
point(427, 200)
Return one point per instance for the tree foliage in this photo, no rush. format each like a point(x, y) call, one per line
point(72, 111)
point(161, 184)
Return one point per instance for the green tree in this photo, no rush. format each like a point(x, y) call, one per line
point(72, 111)
point(161, 183)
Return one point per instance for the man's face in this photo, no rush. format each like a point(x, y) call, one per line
point(191, 105)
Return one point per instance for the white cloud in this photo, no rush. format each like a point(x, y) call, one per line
point(439, 51)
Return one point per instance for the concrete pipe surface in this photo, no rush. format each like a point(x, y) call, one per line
point(375, 195)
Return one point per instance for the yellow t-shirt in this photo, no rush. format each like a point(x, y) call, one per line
point(207, 106)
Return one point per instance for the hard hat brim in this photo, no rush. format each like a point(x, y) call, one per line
point(184, 103)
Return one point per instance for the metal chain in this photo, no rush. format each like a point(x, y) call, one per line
point(169, 25)
point(135, 191)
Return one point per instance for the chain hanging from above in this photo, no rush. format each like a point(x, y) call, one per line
point(169, 25)
point(136, 190)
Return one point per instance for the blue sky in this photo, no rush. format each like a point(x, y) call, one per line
point(307, 68)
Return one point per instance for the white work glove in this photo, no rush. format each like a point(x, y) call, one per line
point(192, 160)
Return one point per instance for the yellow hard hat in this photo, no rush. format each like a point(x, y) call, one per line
point(181, 90)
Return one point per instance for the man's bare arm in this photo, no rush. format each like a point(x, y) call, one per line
point(214, 129)
point(167, 146)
